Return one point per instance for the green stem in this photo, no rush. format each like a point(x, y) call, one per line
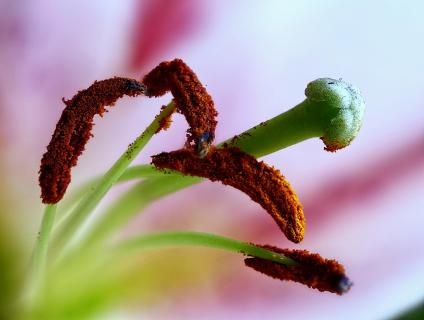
point(138, 197)
point(145, 171)
point(39, 257)
point(92, 198)
point(289, 128)
point(190, 238)
point(333, 110)
point(37, 268)
point(131, 173)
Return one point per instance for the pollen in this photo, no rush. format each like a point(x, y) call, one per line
point(262, 183)
point(74, 130)
point(311, 270)
point(190, 97)
point(166, 122)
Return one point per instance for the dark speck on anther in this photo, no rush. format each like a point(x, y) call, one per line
point(344, 285)
point(136, 86)
point(202, 145)
point(204, 137)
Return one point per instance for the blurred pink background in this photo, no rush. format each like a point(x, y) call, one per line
point(364, 205)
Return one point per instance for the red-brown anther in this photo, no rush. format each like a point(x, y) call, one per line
point(190, 97)
point(264, 184)
point(312, 270)
point(74, 129)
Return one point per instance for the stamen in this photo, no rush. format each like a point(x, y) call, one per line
point(190, 97)
point(74, 130)
point(262, 183)
point(312, 270)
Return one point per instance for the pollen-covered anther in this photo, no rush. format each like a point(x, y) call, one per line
point(311, 270)
point(74, 130)
point(190, 97)
point(264, 184)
